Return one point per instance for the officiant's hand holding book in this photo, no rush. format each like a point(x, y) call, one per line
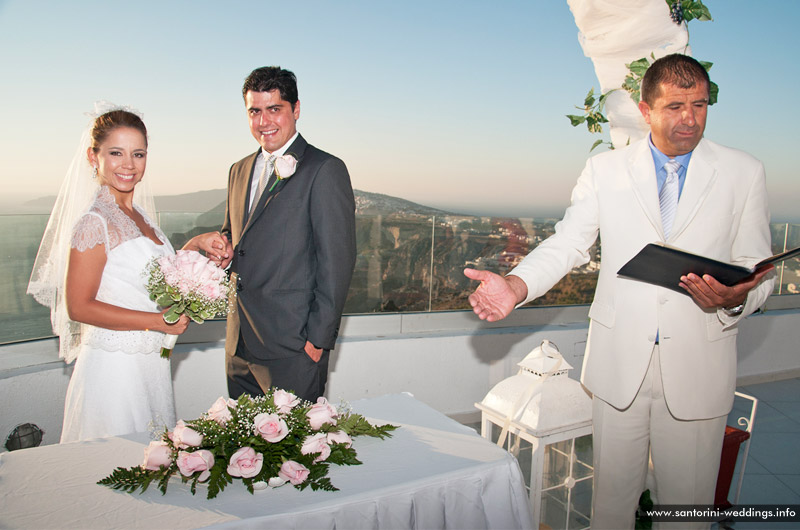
point(671, 267)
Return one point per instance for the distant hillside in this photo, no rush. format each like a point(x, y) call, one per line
point(368, 203)
point(213, 202)
point(198, 201)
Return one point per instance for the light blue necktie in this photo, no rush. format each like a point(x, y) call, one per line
point(668, 199)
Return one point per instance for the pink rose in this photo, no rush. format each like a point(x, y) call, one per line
point(184, 286)
point(270, 427)
point(285, 401)
point(245, 463)
point(166, 266)
point(212, 291)
point(285, 166)
point(220, 411)
point(157, 455)
point(183, 436)
point(294, 472)
point(212, 273)
point(202, 273)
point(170, 278)
point(340, 437)
point(191, 463)
point(317, 443)
point(321, 413)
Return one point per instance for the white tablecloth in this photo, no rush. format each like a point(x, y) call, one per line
point(433, 473)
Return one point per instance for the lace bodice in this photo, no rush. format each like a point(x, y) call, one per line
point(105, 223)
point(128, 253)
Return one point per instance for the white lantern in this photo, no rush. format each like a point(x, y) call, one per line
point(553, 413)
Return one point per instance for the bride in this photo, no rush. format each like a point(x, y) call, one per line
point(89, 270)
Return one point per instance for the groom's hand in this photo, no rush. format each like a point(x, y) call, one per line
point(313, 352)
point(225, 249)
point(215, 245)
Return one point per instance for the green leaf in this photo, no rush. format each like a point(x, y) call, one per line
point(713, 93)
point(639, 66)
point(219, 479)
point(694, 9)
point(576, 120)
point(164, 300)
point(172, 316)
point(706, 64)
point(598, 142)
point(343, 456)
point(630, 84)
point(589, 98)
point(357, 425)
point(129, 480)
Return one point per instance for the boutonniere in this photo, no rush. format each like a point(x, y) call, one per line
point(285, 167)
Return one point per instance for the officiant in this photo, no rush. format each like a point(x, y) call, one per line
point(289, 237)
point(661, 365)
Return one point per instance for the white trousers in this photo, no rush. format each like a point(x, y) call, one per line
point(685, 456)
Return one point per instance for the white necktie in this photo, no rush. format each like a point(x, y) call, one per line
point(668, 199)
point(262, 180)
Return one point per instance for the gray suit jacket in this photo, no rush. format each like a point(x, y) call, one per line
point(293, 258)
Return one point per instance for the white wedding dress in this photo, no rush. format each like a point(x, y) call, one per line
point(120, 383)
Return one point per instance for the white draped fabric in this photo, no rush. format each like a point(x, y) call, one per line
point(614, 33)
point(433, 473)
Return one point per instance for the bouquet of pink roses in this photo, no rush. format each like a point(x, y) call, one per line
point(187, 283)
point(265, 441)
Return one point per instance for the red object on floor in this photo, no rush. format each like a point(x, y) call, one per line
point(730, 450)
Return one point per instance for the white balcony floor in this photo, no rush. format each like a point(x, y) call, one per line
point(772, 472)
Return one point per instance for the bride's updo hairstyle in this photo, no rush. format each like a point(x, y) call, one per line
point(105, 123)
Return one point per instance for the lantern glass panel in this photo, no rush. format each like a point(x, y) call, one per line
point(581, 503)
point(565, 508)
point(554, 509)
point(583, 466)
point(556, 464)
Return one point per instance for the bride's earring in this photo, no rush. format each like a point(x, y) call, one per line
point(94, 172)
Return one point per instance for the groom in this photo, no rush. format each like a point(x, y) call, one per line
point(291, 245)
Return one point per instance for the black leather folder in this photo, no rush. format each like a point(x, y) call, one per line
point(664, 265)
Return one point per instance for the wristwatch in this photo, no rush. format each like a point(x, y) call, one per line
point(734, 311)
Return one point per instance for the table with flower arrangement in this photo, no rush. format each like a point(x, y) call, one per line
point(432, 473)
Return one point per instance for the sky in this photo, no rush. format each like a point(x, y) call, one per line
point(454, 104)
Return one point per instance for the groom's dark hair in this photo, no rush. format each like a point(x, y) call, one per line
point(269, 78)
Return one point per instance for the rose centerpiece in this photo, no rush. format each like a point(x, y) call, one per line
point(266, 441)
point(187, 283)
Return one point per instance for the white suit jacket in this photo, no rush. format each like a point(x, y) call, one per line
point(722, 214)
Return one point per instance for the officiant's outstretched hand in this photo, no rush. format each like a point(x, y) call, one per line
point(496, 296)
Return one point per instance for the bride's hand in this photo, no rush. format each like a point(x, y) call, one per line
point(173, 329)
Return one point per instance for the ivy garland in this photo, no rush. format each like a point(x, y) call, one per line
point(680, 11)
